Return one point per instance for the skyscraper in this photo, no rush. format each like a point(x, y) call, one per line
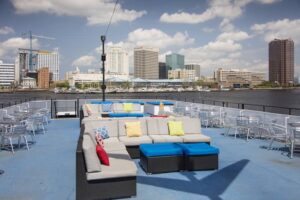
point(163, 71)
point(146, 63)
point(281, 61)
point(175, 61)
point(7, 74)
point(195, 67)
point(117, 61)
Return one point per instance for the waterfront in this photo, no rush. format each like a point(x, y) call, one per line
point(269, 98)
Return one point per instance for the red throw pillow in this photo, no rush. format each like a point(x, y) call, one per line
point(102, 155)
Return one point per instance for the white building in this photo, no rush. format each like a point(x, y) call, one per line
point(94, 77)
point(146, 63)
point(195, 67)
point(238, 78)
point(28, 82)
point(183, 74)
point(7, 74)
point(49, 59)
point(117, 61)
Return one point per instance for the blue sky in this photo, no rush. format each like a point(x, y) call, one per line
point(216, 33)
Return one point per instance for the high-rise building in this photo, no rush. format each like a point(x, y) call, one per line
point(117, 61)
point(163, 71)
point(175, 61)
point(40, 59)
point(50, 60)
point(195, 67)
point(7, 74)
point(281, 61)
point(146, 63)
point(238, 78)
point(43, 79)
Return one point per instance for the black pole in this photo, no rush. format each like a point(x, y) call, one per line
point(103, 58)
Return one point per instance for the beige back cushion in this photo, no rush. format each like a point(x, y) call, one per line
point(136, 107)
point(111, 125)
point(122, 129)
point(191, 125)
point(152, 126)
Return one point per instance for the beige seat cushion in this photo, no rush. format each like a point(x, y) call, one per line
point(169, 138)
point(121, 165)
point(92, 162)
point(113, 144)
point(195, 138)
point(157, 138)
point(118, 108)
point(135, 141)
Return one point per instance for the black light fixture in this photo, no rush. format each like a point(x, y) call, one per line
point(103, 58)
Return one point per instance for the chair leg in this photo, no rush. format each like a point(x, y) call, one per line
point(26, 142)
point(292, 150)
point(11, 145)
point(248, 132)
point(270, 145)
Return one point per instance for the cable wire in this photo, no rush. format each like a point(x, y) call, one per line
point(111, 17)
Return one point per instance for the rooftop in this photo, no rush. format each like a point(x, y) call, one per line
point(247, 170)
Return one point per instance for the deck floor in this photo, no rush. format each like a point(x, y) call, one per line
point(247, 171)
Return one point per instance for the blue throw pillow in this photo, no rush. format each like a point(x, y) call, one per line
point(103, 132)
point(106, 107)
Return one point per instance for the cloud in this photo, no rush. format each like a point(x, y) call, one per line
point(10, 47)
point(162, 56)
point(280, 29)
point(158, 38)
point(234, 36)
point(85, 61)
point(6, 30)
point(95, 11)
point(229, 9)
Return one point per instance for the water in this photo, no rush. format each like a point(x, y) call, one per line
point(269, 98)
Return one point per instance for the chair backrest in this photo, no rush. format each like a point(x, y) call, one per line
point(18, 129)
point(242, 120)
point(277, 129)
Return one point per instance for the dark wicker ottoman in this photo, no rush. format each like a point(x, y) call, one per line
point(160, 158)
point(200, 156)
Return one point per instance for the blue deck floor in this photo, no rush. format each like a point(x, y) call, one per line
point(247, 171)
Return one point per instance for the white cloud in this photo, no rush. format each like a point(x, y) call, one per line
point(85, 61)
point(284, 28)
point(95, 11)
point(235, 36)
point(10, 47)
point(158, 38)
point(229, 9)
point(6, 30)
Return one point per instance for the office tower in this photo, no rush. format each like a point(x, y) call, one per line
point(7, 74)
point(175, 61)
point(50, 60)
point(117, 61)
point(163, 71)
point(146, 63)
point(43, 79)
point(195, 67)
point(281, 61)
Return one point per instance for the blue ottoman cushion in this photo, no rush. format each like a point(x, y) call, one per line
point(198, 149)
point(166, 103)
point(165, 149)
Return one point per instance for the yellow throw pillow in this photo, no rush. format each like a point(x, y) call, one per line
point(175, 128)
point(133, 129)
point(128, 107)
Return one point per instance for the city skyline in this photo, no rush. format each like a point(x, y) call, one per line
point(228, 34)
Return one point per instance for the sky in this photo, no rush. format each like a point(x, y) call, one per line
point(232, 34)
